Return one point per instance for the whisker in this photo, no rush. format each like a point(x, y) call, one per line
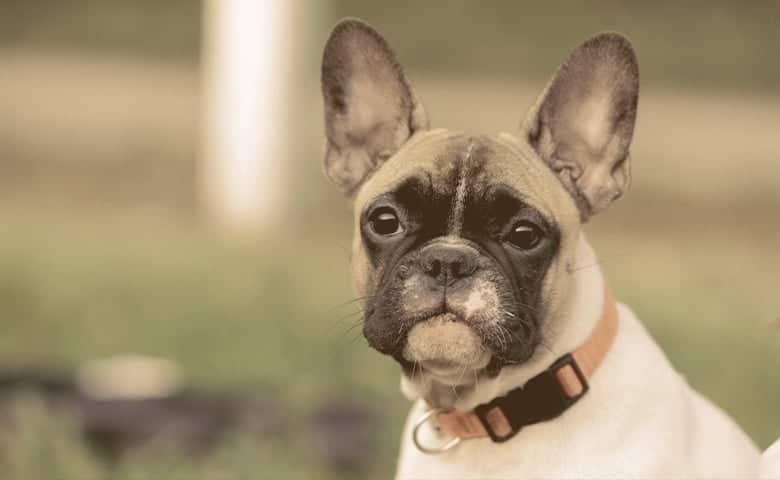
point(598, 262)
point(356, 324)
point(337, 323)
point(504, 335)
point(339, 341)
point(527, 307)
point(349, 302)
point(341, 318)
point(356, 334)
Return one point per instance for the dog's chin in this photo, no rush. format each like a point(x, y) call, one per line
point(446, 349)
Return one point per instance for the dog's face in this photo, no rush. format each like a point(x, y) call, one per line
point(463, 245)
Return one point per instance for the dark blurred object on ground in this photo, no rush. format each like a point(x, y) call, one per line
point(189, 419)
point(341, 434)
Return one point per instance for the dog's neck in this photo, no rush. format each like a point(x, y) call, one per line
point(565, 329)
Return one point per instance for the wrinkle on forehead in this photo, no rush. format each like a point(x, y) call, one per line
point(517, 165)
point(431, 152)
point(480, 161)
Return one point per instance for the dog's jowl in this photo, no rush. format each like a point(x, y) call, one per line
point(469, 251)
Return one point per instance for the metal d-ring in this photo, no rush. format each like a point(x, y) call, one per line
point(428, 450)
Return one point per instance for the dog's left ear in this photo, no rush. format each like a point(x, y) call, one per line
point(583, 122)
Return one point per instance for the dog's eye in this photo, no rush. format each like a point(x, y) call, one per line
point(385, 222)
point(525, 235)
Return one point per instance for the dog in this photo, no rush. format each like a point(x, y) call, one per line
point(469, 252)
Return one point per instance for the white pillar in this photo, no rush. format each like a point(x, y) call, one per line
point(770, 462)
point(246, 45)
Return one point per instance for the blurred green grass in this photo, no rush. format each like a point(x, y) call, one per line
point(271, 314)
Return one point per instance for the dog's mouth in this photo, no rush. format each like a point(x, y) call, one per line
point(445, 345)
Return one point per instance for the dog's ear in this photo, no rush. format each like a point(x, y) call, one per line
point(370, 110)
point(583, 122)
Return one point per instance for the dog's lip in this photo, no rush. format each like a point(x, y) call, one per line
point(443, 317)
point(439, 363)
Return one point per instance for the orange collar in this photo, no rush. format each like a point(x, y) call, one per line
point(542, 398)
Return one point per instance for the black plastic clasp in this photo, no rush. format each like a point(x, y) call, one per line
point(565, 360)
point(541, 399)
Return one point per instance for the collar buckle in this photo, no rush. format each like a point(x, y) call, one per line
point(569, 377)
point(543, 398)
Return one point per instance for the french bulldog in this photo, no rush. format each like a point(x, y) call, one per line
point(469, 251)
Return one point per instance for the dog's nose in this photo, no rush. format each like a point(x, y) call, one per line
point(447, 263)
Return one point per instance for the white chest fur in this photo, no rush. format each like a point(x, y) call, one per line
point(640, 419)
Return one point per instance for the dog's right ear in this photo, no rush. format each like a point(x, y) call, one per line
point(370, 110)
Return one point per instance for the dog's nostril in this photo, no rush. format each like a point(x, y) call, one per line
point(456, 268)
point(433, 267)
point(462, 266)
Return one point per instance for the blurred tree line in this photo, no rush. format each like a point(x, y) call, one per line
point(167, 29)
point(697, 44)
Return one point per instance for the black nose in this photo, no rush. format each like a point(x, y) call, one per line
point(447, 262)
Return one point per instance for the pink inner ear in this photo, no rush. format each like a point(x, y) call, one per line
point(592, 122)
point(373, 108)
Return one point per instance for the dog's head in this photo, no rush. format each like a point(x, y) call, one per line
point(463, 244)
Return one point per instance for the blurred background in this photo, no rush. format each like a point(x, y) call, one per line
point(121, 231)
